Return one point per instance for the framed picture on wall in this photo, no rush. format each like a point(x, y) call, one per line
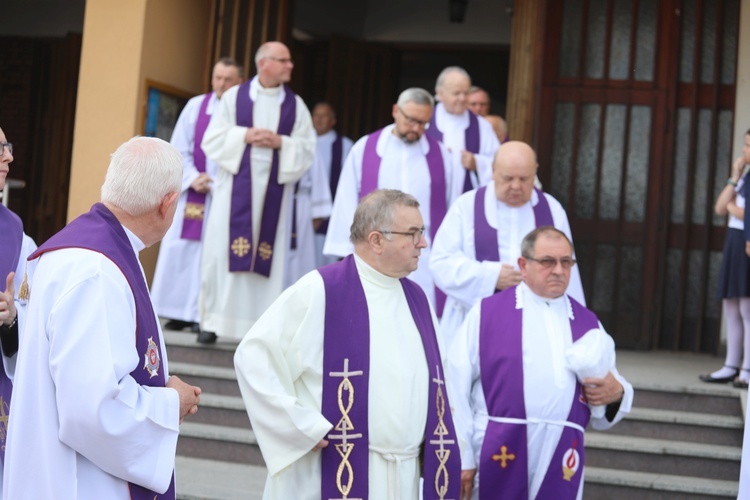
point(163, 105)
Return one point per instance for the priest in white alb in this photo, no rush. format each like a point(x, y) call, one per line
point(343, 378)
point(399, 156)
point(476, 250)
point(177, 278)
point(262, 138)
point(519, 408)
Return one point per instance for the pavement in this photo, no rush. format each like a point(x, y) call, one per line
point(678, 371)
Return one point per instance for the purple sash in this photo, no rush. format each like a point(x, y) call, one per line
point(438, 197)
point(337, 153)
point(100, 231)
point(11, 229)
point(503, 467)
point(485, 236)
point(346, 369)
point(242, 257)
point(195, 207)
point(471, 142)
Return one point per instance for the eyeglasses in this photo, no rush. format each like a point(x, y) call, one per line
point(416, 235)
point(550, 262)
point(282, 60)
point(412, 121)
point(4, 145)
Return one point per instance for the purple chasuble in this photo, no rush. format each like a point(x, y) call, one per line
point(346, 371)
point(11, 229)
point(438, 196)
point(242, 255)
point(503, 462)
point(100, 231)
point(337, 154)
point(471, 142)
point(485, 236)
point(195, 207)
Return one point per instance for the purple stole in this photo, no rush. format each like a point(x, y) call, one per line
point(503, 463)
point(100, 231)
point(242, 257)
point(11, 229)
point(337, 153)
point(485, 236)
point(195, 207)
point(438, 198)
point(471, 142)
point(346, 371)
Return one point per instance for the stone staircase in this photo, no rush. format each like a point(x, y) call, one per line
point(678, 443)
point(681, 441)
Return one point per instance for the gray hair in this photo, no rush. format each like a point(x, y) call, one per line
point(417, 96)
point(529, 241)
point(375, 212)
point(141, 172)
point(446, 72)
point(228, 61)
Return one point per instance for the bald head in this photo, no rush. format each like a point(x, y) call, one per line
point(513, 171)
point(274, 64)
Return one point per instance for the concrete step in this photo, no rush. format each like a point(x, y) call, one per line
point(201, 479)
point(681, 426)
point(663, 456)
point(709, 398)
point(218, 442)
point(211, 379)
point(218, 409)
point(182, 348)
point(615, 484)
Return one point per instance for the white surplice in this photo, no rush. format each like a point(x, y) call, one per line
point(279, 366)
point(177, 278)
point(80, 425)
point(403, 167)
point(453, 262)
point(454, 128)
point(231, 302)
point(548, 386)
point(323, 155)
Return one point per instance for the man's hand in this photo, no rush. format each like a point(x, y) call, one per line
point(202, 183)
point(189, 396)
point(508, 277)
point(263, 138)
point(467, 483)
point(602, 391)
point(738, 167)
point(7, 301)
point(322, 444)
point(468, 161)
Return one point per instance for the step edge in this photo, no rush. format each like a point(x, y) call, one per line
point(661, 482)
point(619, 442)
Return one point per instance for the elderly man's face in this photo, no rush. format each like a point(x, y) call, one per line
point(401, 253)
point(514, 176)
point(454, 93)
point(410, 120)
point(5, 159)
point(276, 67)
point(223, 78)
point(548, 282)
point(479, 103)
point(323, 119)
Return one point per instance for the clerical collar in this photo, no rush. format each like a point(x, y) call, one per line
point(374, 276)
point(491, 191)
point(461, 120)
point(330, 135)
point(256, 88)
point(135, 241)
point(523, 292)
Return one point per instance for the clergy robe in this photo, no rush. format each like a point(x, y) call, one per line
point(745, 463)
point(548, 386)
point(93, 428)
point(177, 278)
point(279, 367)
point(231, 302)
point(323, 161)
point(467, 281)
point(453, 128)
point(403, 167)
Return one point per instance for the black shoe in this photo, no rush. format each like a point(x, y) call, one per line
point(195, 327)
point(177, 324)
point(205, 337)
point(720, 380)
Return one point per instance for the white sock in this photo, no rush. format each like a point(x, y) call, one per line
point(725, 371)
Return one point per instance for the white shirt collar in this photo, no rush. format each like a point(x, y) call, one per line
point(523, 292)
point(256, 88)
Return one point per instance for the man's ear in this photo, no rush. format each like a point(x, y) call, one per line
point(522, 262)
point(166, 203)
point(376, 241)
